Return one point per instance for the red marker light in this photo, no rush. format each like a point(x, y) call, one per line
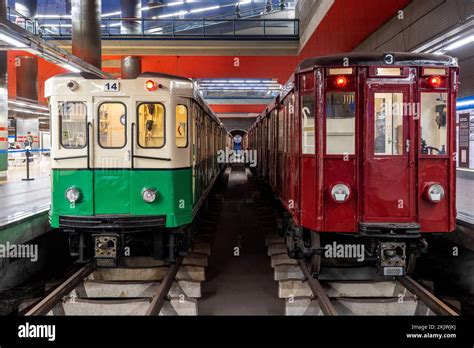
point(150, 85)
point(435, 81)
point(341, 81)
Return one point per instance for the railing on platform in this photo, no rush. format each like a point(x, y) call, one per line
point(146, 28)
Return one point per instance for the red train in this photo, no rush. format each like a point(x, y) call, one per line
point(363, 145)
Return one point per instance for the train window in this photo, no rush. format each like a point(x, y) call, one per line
point(181, 126)
point(307, 111)
point(112, 125)
point(433, 123)
point(73, 120)
point(151, 125)
point(340, 123)
point(388, 127)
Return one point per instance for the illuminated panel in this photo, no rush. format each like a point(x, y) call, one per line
point(389, 72)
point(340, 71)
point(434, 71)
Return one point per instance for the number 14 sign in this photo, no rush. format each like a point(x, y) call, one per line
point(112, 87)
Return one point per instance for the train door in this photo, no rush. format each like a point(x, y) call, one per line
point(388, 172)
point(111, 156)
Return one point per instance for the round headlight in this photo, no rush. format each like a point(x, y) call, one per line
point(149, 195)
point(435, 193)
point(72, 195)
point(340, 193)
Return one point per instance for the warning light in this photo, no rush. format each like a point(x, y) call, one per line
point(341, 81)
point(435, 81)
point(150, 85)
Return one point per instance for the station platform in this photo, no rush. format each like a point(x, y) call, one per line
point(24, 207)
point(465, 195)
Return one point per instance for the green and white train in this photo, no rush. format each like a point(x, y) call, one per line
point(133, 161)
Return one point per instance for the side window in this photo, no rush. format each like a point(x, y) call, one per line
point(151, 125)
point(433, 123)
point(181, 126)
point(112, 125)
point(307, 126)
point(340, 123)
point(73, 121)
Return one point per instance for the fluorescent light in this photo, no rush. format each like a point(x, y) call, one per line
point(460, 43)
point(183, 12)
point(70, 67)
point(53, 16)
point(110, 14)
point(116, 24)
point(245, 2)
point(14, 42)
point(176, 3)
point(205, 9)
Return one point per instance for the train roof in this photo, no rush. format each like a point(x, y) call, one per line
point(163, 75)
point(197, 97)
point(377, 59)
point(145, 74)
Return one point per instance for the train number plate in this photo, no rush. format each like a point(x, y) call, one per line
point(112, 87)
point(393, 271)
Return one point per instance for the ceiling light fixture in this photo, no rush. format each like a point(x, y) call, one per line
point(459, 43)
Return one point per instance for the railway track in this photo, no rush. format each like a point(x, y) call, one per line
point(62, 293)
point(337, 294)
point(345, 292)
point(140, 285)
point(321, 292)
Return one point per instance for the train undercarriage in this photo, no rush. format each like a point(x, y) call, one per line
point(392, 248)
point(107, 247)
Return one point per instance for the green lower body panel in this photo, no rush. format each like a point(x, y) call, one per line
point(3, 162)
point(107, 192)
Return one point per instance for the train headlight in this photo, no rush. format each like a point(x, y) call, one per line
point(73, 195)
point(149, 195)
point(340, 193)
point(435, 193)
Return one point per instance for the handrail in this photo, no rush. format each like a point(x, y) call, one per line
point(88, 138)
point(164, 28)
point(152, 158)
point(69, 157)
point(132, 145)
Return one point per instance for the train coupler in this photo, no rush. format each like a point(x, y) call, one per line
point(106, 249)
point(392, 259)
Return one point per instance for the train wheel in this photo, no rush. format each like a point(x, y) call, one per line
point(315, 259)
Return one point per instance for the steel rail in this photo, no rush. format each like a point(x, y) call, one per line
point(47, 303)
point(434, 303)
point(163, 289)
point(324, 302)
